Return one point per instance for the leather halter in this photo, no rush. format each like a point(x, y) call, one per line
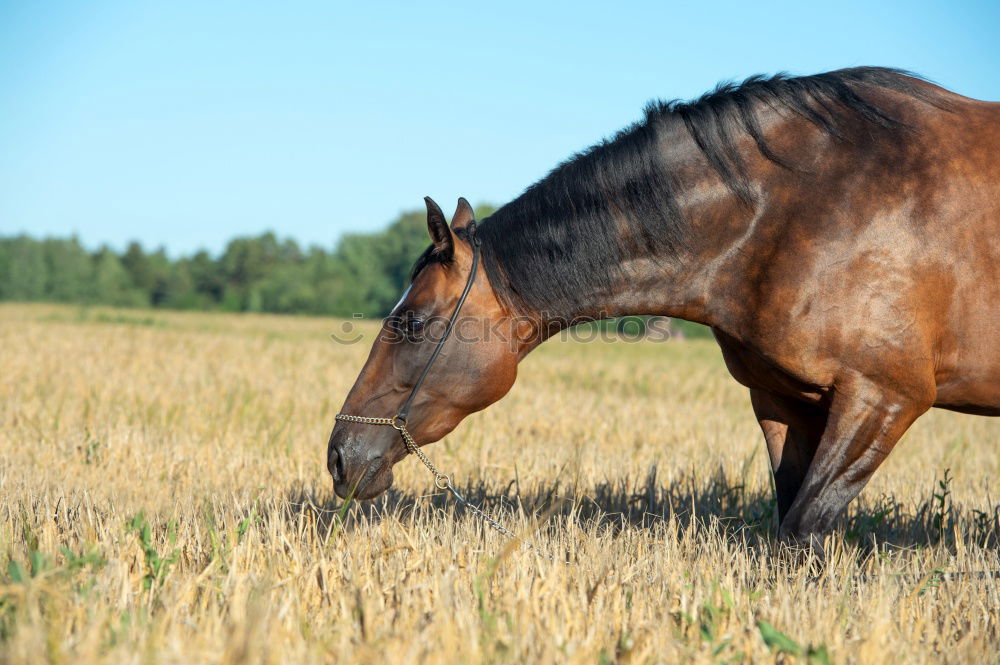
point(399, 420)
point(404, 410)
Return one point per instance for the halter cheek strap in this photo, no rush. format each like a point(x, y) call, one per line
point(404, 411)
point(399, 420)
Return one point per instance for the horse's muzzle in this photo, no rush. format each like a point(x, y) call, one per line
point(358, 471)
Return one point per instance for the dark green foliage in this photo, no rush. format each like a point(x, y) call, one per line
point(69, 270)
point(364, 274)
point(23, 272)
point(112, 284)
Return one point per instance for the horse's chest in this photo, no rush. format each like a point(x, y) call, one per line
point(756, 369)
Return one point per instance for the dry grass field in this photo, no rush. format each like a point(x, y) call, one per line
point(164, 499)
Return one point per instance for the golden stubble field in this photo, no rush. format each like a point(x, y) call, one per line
point(164, 499)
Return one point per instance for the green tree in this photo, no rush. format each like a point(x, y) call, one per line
point(23, 273)
point(244, 263)
point(180, 291)
point(207, 276)
point(69, 270)
point(150, 273)
point(365, 273)
point(112, 284)
point(138, 266)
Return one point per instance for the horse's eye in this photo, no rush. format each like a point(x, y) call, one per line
point(412, 327)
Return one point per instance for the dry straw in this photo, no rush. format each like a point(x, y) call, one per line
point(164, 499)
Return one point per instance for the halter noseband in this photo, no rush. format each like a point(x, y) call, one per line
point(398, 421)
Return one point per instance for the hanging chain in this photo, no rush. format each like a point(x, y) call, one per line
point(441, 480)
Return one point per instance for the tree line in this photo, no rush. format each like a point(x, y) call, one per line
point(364, 273)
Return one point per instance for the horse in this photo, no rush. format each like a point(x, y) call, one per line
point(839, 233)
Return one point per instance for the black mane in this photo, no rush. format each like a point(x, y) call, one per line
point(563, 237)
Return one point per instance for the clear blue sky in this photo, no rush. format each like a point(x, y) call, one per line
point(186, 123)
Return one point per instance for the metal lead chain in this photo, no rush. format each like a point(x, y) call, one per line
point(441, 480)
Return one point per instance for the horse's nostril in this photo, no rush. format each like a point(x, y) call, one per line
point(340, 468)
point(335, 464)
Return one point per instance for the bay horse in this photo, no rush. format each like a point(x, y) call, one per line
point(839, 233)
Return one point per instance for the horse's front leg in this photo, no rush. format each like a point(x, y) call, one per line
point(792, 430)
point(865, 421)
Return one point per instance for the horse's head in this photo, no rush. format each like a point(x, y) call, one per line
point(476, 365)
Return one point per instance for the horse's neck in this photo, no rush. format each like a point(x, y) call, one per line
point(703, 282)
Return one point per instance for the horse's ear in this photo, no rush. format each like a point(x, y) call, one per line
point(437, 227)
point(463, 215)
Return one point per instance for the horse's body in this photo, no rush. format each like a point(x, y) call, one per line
point(839, 233)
